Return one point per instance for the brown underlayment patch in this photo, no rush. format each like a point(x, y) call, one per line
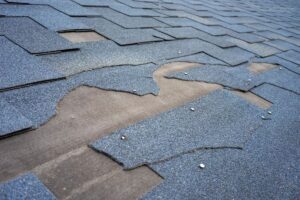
point(86, 174)
point(83, 116)
point(254, 99)
point(77, 37)
point(258, 68)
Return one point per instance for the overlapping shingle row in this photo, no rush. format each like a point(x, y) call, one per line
point(39, 67)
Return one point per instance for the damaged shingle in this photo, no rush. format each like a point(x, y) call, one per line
point(38, 103)
point(219, 119)
point(240, 77)
point(264, 169)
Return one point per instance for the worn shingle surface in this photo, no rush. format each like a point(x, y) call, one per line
point(246, 157)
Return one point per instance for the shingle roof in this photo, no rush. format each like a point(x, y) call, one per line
point(247, 151)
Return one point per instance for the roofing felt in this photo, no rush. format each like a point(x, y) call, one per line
point(220, 40)
point(31, 36)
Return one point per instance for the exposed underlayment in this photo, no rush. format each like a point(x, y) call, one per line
point(199, 98)
point(76, 37)
point(258, 68)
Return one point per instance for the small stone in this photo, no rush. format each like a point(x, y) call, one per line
point(185, 73)
point(280, 68)
point(123, 137)
point(179, 52)
point(201, 166)
point(263, 117)
point(270, 112)
point(134, 91)
point(192, 109)
point(249, 79)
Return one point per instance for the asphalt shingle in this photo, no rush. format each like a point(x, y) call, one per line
point(264, 169)
point(27, 186)
point(44, 15)
point(18, 67)
point(32, 36)
point(219, 119)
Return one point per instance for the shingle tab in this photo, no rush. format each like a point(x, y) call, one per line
point(27, 186)
point(18, 67)
point(11, 120)
point(32, 36)
point(219, 119)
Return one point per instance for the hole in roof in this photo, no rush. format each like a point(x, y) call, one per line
point(77, 37)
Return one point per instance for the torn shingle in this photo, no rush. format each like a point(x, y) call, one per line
point(76, 37)
point(218, 120)
point(241, 78)
point(93, 56)
point(38, 103)
point(18, 67)
point(32, 36)
point(27, 186)
point(265, 169)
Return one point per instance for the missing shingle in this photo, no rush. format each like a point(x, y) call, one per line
point(254, 99)
point(77, 37)
point(258, 68)
point(85, 174)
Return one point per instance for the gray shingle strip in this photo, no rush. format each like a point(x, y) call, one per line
point(240, 77)
point(136, 4)
point(26, 186)
point(11, 120)
point(273, 36)
point(66, 6)
point(126, 21)
point(276, 60)
point(291, 55)
point(92, 56)
point(135, 11)
point(259, 49)
point(220, 119)
point(189, 32)
point(266, 168)
point(32, 36)
point(213, 30)
point(123, 36)
point(18, 67)
point(283, 45)
point(45, 15)
point(198, 58)
point(38, 102)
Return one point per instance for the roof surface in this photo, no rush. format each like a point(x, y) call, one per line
point(149, 99)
